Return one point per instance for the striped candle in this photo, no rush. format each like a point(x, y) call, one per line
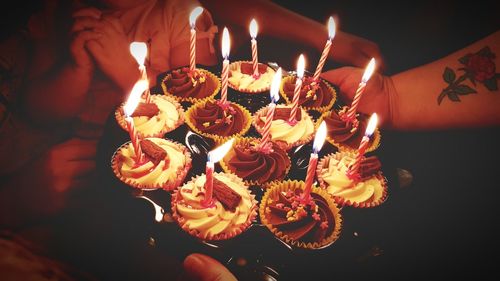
point(351, 114)
point(296, 92)
point(255, 59)
point(139, 156)
point(225, 64)
point(326, 50)
point(353, 172)
point(272, 106)
point(192, 43)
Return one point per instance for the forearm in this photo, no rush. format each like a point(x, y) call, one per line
point(426, 99)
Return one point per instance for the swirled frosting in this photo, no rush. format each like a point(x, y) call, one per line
point(217, 119)
point(307, 223)
point(241, 76)
point(258, 164)
point(216, 219)
point(153, 171)
point(166, 117)
point(369, 189)
point(182, 83)
point(346, 133)
point(312, 94)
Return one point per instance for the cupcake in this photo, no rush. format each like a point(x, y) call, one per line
point(241, 77)
point(368, 191)
point(233, 211)
point(319, 96)
point(311, 225)
point(256, 164)
point(282, 132)
point(347, 135)
point(165, 165)
point(217, 120)
point(184, 85)
point(162, 115)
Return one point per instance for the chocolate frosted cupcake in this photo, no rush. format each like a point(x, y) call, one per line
point(241, 77)
point(218, 121)
point(257, 165)
point(184, 85)
point(311, 225)
point(319, 96)
point(347, 135)
point(369, 191)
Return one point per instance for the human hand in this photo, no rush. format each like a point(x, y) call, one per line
point(81, 32)
point(204, 268)
point(356, 51)
point(379, 95)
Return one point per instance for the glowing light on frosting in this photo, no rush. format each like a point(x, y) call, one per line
point(194, 15)
point(331, 28)
point(139, 51)
point(218, 153)
point(372, 124)
point(135, 97)
point(368, 71)
point(254, 28)
point(319, 138)
point(275, 86)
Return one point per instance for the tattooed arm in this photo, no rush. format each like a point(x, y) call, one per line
point(459, 90)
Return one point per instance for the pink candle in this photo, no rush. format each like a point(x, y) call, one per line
point(296, 92)
point(192, 42)
point(319, 140)
point(351, 114)
point(326, 50)
point(225, 64)
point(275, 85)
point(255, 60)
point(139, 156)
point(353, 172)
point(139, 51)
point(128, 109)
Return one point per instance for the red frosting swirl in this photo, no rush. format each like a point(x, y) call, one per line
point(259, 165)
point(369, 167)
point(213, 118)
point(345, 133)
point(180, 83)
point(316, 95)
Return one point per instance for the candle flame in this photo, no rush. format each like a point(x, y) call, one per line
point(319, 138)
point(194, 14)
point(331, 28)
point(275, 86)
point(226, 43)
point(372, 124)
point(368, 71)
point(139, 51)
point(135, 97)
point(218, 153)
point(254, 28)
point(300, 66)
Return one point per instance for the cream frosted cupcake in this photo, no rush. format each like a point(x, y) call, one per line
point(233, 211)
point(241, 77)
point(162, 115)
point(165, 165)
point(282, 131)
point(369, 191)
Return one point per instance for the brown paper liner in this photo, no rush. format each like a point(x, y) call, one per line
point(168, 185)
point(218, 139)
point(227, 157)
point(293, 185)
point(233, 66)
point(286, 146)
point(222, 236)
point(374, 139)
point(316, 108)
point(209, 75)
point(340, 200)
point(120, 118)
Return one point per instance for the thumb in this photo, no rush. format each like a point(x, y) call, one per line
point(204, 268)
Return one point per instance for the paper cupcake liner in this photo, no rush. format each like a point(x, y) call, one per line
point(209, 75)
point(341, 200)
point(221, 236)
point(227, 157)
point(293, 185)
point(320, 109)
point(375, 138)
point(217, 138)
point(120, 118)
point(233, 66)
point(286, 146)
point(168, 185)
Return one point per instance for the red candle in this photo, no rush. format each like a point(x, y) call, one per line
point(275, 85)
point(326, 50)
point(128, 109)
point(192, 43)
point(139, 156)
point(296, 93)
point(351, 114)
point(225, 64)
point(319, 140)
point(353, 172)
point(255, 60)
point(139, 51)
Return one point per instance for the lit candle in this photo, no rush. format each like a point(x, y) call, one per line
point(128, 109)
point(326, 50)
point(213, 157)
point(275, 86)
point(296, 92)
point(351, 114)
point(255, 59)
point(226, 44)
point(319, 140)
point(139, 51)
point(192, 43)
point(353, 172)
